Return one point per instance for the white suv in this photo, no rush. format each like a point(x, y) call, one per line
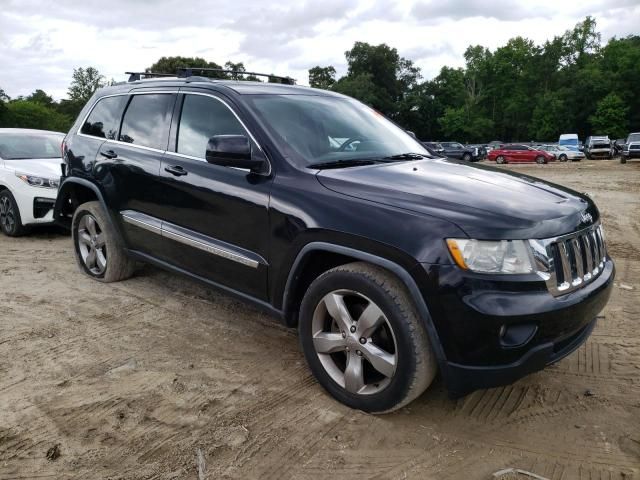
point(29, 177)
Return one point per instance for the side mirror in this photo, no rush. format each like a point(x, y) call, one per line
point(232, 151)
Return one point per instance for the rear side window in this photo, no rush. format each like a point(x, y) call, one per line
point(146, 121)
point(104, 119)
point(203, 117)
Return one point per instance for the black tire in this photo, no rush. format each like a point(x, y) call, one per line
point(10, 220)
point(415, 364)
point(540, 160)
point(116, 264)
point(562, 158)
point(500, 159)
point(466, 157)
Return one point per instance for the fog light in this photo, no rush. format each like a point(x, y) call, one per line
point(513, 336)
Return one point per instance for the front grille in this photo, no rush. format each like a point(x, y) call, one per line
point(569, 262)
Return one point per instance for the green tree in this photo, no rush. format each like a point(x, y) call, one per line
point(361, 87)
point(41, 97)
point(84, 84)
point(322, 77)
point(550, 117)
point(610, 117)
point(30, 114)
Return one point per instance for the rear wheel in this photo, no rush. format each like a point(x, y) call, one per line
point(10, 221)
point(540, 160)
point(500, 159)
point(562, 158)
point(363, 339)
point(98, 251)
point(466, 157)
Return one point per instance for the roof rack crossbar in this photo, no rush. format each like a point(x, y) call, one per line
point(135, 76)
point(184, 72)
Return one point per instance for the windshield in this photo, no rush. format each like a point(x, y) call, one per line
point(634, 137)
point(15, 146)
point(314, 129)
point(569, 141)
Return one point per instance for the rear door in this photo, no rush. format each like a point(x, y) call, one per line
point(128, 167)
point(215, 218)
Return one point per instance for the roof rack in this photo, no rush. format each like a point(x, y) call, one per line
point(135, 76)
point(185, 72)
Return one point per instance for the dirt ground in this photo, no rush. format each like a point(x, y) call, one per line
point(158, 377)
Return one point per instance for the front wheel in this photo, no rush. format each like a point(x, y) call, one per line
point(363, 339)
point(466, 157)
point(98, 251)
point(540, 160)
point(10, 221)
point(500, 159)
point(563, 158)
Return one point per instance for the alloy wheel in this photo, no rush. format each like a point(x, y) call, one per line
point(354, 342)
point(91, 244)
point(7, 215)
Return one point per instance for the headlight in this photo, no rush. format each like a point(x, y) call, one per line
point(38, 181)
point(502, 256)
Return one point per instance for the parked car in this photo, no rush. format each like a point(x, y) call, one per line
point(563, 153)
point(570, 140)
point(391, 264)
point(29, 177)
point(520, 153)
point(434, 148)
point(458, 150)
point(598, 147)
point(631, 147)
point(481, 151)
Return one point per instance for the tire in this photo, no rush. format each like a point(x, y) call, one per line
point(500, 159)
point(466, 157)
point(410, 364)
point(562, 158)
point(540, 160)
point(92, 232)
point(10, 220)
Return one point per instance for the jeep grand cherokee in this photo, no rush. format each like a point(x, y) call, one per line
point(393, 265)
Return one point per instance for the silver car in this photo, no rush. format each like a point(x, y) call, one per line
point(563, 153)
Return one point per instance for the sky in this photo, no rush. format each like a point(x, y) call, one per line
point(42, 41)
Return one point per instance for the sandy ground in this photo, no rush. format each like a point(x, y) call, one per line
point(158, 377)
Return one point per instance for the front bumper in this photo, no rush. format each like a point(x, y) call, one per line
point(468, 312)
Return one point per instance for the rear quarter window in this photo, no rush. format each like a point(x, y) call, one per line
point(104, 119)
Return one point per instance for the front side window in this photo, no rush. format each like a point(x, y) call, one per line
point(203, 117)
point(146, 121)
point(104, 119)
point(313, 129)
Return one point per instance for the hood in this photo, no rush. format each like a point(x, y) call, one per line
point(485, 202)
point(43, 167)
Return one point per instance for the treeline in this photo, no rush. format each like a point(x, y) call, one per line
point(521, 91)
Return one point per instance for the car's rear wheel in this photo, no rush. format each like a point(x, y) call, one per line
point(500, 159)
point(562, 158)
point(540, 160)
point(10, 221)
point(363, 339)
point(97, 249)
point(466, 157)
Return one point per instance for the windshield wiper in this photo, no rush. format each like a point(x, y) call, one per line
point(407, 156)
point(343, 163)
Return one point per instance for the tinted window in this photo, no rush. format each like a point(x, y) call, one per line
point(146, 121)
point(202, 118)
point(104, 119)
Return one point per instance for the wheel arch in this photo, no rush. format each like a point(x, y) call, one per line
point(304, 270)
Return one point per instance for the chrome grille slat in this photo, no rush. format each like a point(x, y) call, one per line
point(572, 260)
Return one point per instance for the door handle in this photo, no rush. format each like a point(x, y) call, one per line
point(109, 154)
point(176, 170)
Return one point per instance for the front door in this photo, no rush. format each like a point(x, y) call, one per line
point(215, 219)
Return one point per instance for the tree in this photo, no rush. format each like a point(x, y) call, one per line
point(550, 117)
point(322, 77)
point(30, 114)
point(39, 96)
point(610, 117)
point(84, 84)
point(172, 64)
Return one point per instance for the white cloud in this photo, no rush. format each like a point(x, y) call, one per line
point(41, 45)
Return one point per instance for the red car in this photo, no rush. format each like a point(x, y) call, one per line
point(520, 153)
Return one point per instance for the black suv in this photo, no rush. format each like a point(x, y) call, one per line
point(462, 152)
point(393, 265)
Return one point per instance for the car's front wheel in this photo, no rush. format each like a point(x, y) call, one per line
point(10, 221)
point(97, 249)
point(500, 159)
point(540, 160)
point(363, 339)
point(562, 158)
point(466, 157)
